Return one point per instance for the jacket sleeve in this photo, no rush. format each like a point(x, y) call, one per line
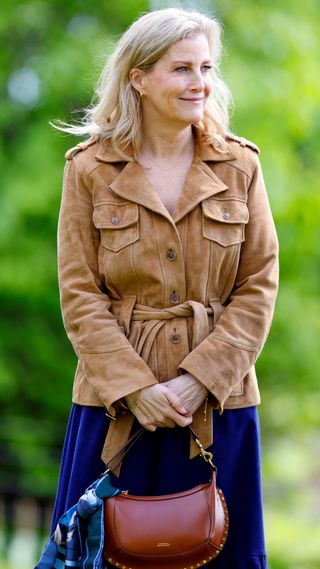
point(109, 361)
point(223, 359)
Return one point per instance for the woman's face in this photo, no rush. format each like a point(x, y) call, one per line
point(176, 88)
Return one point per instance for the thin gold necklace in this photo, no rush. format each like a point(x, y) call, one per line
point(164, 171)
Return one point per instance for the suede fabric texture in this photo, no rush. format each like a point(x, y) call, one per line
point(119, 250)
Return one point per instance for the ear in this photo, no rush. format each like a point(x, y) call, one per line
point(136, 77)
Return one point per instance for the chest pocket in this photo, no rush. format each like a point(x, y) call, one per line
point(224, 221)
point(118, 224)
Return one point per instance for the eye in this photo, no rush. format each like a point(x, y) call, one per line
point(206, 68)
point(182, 68)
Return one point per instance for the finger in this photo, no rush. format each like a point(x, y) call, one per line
point(184, 421)
point(175, 402)
point(150, 427)
point(166, 423)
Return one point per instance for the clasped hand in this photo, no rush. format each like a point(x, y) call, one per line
point(167, 404)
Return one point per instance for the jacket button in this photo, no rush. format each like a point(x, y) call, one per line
point(114, 220)
point(226, 215)
point(171, 255)
point(174, 298)
point(175, 338)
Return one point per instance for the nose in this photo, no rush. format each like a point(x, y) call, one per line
point(197, 83)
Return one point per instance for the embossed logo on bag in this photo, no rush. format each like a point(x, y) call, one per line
point(163, 544)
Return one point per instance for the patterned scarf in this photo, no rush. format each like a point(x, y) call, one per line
point(77, 541)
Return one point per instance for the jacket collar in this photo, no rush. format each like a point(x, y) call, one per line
point(201, 183)
point(207, 151)
point(132, 183)
point(204, 150)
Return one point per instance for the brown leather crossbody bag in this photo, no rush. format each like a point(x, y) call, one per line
point(184, 530)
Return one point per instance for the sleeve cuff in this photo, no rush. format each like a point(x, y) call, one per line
point(219, 366)
point(111, 381)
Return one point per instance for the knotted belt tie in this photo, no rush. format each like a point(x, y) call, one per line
point(119, 430)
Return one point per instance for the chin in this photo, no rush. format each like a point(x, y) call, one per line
point(195, 117)
point(189, 118)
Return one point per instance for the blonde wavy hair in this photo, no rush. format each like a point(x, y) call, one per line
point(115, 111)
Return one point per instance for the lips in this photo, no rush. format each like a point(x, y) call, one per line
point(192, 100)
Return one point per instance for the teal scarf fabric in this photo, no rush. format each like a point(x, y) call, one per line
point(78, 539)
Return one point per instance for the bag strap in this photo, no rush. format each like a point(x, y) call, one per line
point(206, 455)
point(124, 449)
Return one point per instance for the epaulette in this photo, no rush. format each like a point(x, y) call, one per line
point(80, 146)
point(243, 141)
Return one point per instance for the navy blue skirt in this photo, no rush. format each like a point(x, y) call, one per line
point(158, 463)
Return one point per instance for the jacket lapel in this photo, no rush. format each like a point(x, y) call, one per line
point(201, 183)
point(132, 184)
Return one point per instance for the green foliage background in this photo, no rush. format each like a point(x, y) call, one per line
point(51, 55)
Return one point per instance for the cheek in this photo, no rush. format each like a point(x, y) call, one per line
point(165, 89)
point(175, 86)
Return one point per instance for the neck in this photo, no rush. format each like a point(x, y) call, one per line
point(166, 143)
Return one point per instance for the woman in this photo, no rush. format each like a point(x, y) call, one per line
point(168, 277)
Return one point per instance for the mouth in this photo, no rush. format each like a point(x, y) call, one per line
point(194, 100)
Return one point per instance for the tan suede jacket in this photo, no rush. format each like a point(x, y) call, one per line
point(145, 295)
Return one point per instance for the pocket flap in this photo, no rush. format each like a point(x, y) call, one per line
point(226, 211)
point(115, 216)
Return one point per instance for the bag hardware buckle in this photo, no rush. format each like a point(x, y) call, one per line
point(206, 455)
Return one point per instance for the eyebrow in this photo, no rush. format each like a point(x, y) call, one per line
point(179, 61)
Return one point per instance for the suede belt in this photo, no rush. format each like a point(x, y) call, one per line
point(127, 310)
